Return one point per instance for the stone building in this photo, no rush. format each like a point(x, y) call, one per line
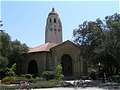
point(53, 52)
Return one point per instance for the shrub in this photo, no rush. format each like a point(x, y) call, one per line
point(8, 80)
point(11, 71)
point(35, 75)
point(116, 78)
point(28, 76)
point(44, 84)
point(20, 78)
point(48, 75)
point(13, 68)
point(58, 72)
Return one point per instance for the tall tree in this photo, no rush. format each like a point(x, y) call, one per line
point(111, 43)
point(17, 50)
point(4, 47)
point(102, 40)
point(10, 51)
point(89, 36)
point(113, 37)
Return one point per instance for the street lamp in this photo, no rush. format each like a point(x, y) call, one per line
point(99, 70)
point(99, 65)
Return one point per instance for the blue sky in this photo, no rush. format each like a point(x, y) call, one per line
point(25, 20)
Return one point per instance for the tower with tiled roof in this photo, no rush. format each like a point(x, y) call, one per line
point(53, 32)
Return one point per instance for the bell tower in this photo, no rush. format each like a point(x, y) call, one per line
point(53, 32)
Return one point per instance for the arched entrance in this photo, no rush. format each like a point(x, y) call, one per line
point(66, 62)
point(32, 67)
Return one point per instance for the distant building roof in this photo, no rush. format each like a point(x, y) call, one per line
point(43, 47)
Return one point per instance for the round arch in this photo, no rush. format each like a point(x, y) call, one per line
point(32, 67)
point(66, 62)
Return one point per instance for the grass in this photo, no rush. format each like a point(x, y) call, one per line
point(8, 87)
point(34, 84)
point(44, 84)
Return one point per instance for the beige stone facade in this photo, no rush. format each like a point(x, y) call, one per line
point(47, 60)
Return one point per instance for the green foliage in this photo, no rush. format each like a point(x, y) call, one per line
point(17, 50)
point(11, 71)
point(3, 62)
point(58, 72)
point(4, 49)
point(13, 68)
point(44, 84)
point(116, 78)
point(8, 79)
point(5, 45)
point(7, 87)
point(28, 76)
point(48, 75)
point(100, 42)
point(10, 51)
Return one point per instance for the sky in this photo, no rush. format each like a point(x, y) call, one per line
point(25, 20)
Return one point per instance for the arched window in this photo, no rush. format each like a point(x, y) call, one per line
point(32, 67)
point(50, 20)
point(58, 30)
point(66, 62)
point(54, 20)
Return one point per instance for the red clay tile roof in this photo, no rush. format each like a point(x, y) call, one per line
point(43, 47)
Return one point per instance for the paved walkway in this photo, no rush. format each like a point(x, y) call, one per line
point(89, 88)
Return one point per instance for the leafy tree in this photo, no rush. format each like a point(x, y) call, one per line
point(113, 37)
point(100, 42)
point(17, 50)
point(111, 44)
point(10, 51)
point(58, 72)
point(5, 44)
point(109, 50)
point(3, 62)
point(89, 36)
point(88, 33)
point(4, 47)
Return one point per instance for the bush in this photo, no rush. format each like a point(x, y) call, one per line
point(13, 68)
point(11, 71)
point(44, 84)
point(35, 75)
point(58, 72)
point(116, 78)
point(19, 78)
point(48, 75)
point(28, 76)
point(8, 80)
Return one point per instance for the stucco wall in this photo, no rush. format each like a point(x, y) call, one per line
point(73, 52)
point(49, 60)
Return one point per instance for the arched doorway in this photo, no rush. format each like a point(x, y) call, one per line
point(66, 62)
point(32, 67)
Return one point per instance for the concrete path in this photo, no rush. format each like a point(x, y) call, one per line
point(89, 88)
